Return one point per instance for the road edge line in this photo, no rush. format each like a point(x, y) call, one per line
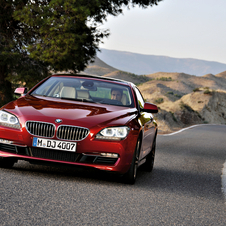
point(170, 134)
point(190, 127)
point(223, 181)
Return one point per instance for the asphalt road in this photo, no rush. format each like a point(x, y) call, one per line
point(183, 189)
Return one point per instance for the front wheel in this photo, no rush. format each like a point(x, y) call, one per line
point(130, 176)
point(149, 164)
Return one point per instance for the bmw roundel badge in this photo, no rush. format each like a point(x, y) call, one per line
point(58, 120)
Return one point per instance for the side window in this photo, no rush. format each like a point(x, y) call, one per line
point(139, 98)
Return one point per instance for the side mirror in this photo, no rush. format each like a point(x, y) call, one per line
point(150, 108)
point(21, 91)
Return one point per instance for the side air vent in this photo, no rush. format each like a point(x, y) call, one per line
point(7, 148)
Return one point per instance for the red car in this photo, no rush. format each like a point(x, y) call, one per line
point(80, 120)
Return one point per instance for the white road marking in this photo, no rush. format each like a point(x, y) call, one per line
point(223, 176)
point(223, 181)
point(170, 134)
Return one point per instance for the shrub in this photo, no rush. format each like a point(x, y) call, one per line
point(159, 100)
point(165, 79)
point(198, 114)
point(196, 89)
point(207, 91)
point(185, 106)
point(173, 116)
point(177, 95)
point(141, 78)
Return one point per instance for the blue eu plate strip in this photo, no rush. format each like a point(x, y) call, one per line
point(35, 141)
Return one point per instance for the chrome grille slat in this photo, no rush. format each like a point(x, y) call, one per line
point(64, 132)
point(79, 134)
point(72, 133)
point(83, 133)
point(47, 130)
point(42, 129)
point(36, 129)
point(76, 134)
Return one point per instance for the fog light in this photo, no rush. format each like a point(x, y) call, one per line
point(6, 141)
point(110, 155)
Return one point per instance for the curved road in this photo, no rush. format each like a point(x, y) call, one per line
point(185, 188)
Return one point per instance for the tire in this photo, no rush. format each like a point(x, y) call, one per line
point(7, 162)
point(149, 164)
point(131, 175)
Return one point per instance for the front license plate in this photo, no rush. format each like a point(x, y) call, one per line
point(54, 144)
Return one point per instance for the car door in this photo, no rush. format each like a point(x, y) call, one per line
point(148, 127)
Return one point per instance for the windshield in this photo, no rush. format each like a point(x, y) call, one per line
point(86, 90)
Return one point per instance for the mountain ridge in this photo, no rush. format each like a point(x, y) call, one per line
point(182, 99)
point(142, 64)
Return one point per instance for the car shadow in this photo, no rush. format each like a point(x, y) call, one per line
point(162, 179)
point(176, 181)
point(66, 172)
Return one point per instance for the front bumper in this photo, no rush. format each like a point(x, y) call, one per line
point(89, 152)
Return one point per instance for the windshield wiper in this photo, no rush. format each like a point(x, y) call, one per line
point(81, 100)
point(85, 100)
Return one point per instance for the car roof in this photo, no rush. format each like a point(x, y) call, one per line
point(95, 76)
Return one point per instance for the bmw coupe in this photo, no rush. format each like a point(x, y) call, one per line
point(83, 120)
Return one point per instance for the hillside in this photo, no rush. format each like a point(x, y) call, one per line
point(185, 100)
point(172, 86)
point(191, 109)
point(98, 67)
point(182, 99)
point(146, 64)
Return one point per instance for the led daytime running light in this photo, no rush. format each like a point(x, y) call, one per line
point(9, 120)
point(113, 133)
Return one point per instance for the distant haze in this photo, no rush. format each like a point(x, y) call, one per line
point(147, 64)
point(176, 28)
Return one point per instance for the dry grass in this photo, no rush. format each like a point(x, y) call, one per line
point(203, 98)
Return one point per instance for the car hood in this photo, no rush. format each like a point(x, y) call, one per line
point(70, 112)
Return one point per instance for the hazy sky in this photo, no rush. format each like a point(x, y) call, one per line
point(174, 28)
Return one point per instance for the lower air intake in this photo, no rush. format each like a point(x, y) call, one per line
point(54, 154)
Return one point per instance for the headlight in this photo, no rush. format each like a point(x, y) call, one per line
point(113, 133)
point(9, 120)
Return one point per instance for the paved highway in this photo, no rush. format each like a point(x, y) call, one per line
point(185, 188)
